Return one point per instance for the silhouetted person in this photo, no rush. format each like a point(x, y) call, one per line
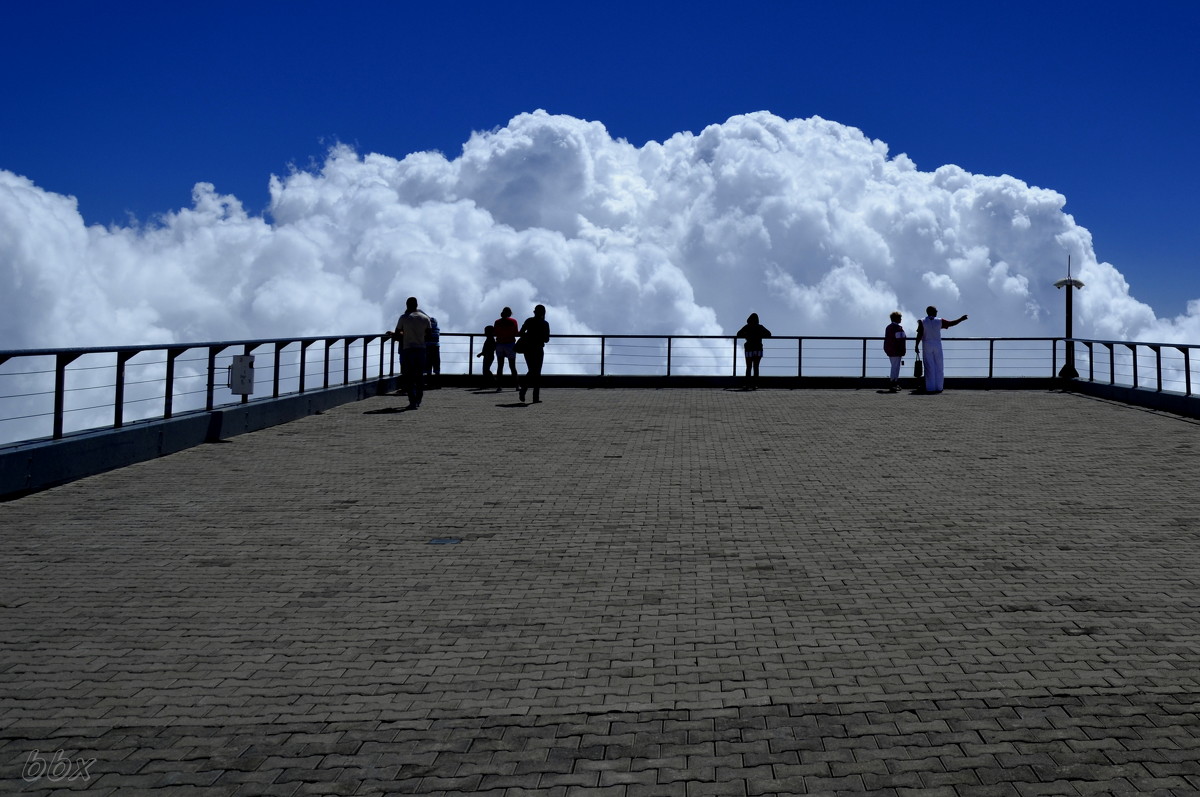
point(754, 333)
point(535, 333)
point(489, 350)
point(895, 344)
point(411, 329)
point(930, 331)
point(433, 351)
point(506, 331)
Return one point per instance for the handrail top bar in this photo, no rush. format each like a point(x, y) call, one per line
point(1129, 343)
point(594, 335)
point(79, 350)
point(222, 344)
point(200, 345)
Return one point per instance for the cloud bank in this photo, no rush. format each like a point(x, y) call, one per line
point(807, 222)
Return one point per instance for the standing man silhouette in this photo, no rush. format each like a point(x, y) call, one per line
point(411, 329)
point(930, 331)
point(535, 333)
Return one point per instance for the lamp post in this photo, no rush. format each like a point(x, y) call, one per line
point(1068, 370)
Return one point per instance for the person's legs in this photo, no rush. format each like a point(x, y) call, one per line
point(521, 388)
point(504, 351)
point(512, 366)
point(533, 373)
point(933, 369)
point(412, 369)
point(895, 372)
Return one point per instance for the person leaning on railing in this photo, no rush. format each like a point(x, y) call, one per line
point(411, 330)
point(754, 333)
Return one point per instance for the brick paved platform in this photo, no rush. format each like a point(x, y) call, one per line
point(660, 592)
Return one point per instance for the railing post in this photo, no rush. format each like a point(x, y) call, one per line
point(864, 358)
point(304, 344)
point(119, 389)
point(169, 389)
point(471, 355)
point(1091, 361)
point(210, 392)
point(668, 355)
point(799, 357)
point(991, 358)
point(279, 345)
point(328, 343)
point(1187, 369)
point(1133, 348)
point(381, 357)
point(61, 361)
point(346, 360)
point(366, 343)
point(603, 346)
point(247, 350)
point(1054, 356)
point(1157, 366)
point(734, 374)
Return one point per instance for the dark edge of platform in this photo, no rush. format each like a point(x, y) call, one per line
point(1174, 403)
point(41, 464)
point(38, 465)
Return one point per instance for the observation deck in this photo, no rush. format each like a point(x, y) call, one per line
point(620, 591)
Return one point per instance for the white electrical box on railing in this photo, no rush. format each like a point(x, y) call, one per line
point(241, 375)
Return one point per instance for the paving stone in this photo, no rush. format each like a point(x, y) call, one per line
point(672, 592)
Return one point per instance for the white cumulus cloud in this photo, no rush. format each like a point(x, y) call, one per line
point(809, 223)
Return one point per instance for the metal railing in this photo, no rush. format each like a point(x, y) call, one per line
point(41, 388)
point(784, 355)
point(53, 392)
point(1117, 362)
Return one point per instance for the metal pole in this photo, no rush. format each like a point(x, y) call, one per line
point(247, 350)
point(119, 397)
point(1068, 370)
point(169, 391)
point(61, 361)
point(210, 392)
point(303, 361)
point(279, 344)
point(1187, 368)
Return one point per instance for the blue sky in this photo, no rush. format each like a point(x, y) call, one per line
point(127, 105)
